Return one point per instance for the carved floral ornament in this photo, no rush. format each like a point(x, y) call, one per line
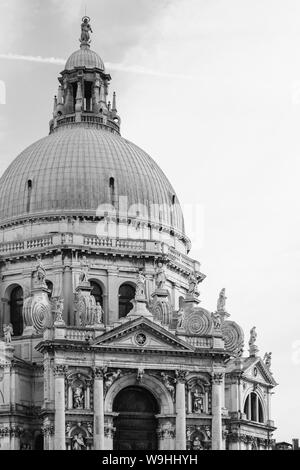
point(247, 439)
point(13, 431)
point(109, 430)
point(233, 336)
point(197, 322)
point(48, 430)
point(85, 427)
point(166, 431)
point(217, 378)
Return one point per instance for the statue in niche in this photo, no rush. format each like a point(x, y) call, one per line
point(78, 442)
point(253, 336)
point(193, 283)
point(8, 333)
point(90, 429)
point(140, 288)
point(268, 359)
point(189, 433)
point(83, 277)
point(197, 444)
point(86, 29)
point(221, 301)
point(198, 400)
point(160, 276)
point(78, 397)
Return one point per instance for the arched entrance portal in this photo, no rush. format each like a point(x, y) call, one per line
point(136, 423)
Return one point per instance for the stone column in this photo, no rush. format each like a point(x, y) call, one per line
point(180, 411)
point(98, 409)
point(112, 314)
point(216, 426)
point(68, 315)
point(5, 317)
point(60, 419)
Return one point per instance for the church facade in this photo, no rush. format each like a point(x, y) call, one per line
point(104, 344)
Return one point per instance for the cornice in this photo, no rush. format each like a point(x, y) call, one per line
point(66, 345)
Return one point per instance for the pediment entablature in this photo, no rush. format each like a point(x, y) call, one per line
point(142, 333)
point(257, 371)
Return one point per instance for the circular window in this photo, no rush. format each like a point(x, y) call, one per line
point(140, 339)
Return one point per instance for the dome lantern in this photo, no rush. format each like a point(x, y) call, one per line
point(83, 90)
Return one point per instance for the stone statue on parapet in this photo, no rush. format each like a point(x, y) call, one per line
point(59, 308)
point(140, 288)
point(83, 276)
point(217, 320)
point(98, 314)
point(221, 305)
point(253, 349)
point(8, 333)
point(180, 318)
point(193, 283)
point(40, 273)
point(268, 359)
point(85, 30)
point(253, 336)
point(160, 276)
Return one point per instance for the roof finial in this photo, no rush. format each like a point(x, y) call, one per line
point(114, 103)
point(86, 29)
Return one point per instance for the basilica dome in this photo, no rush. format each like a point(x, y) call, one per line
point(84, 167)
point(75, 170)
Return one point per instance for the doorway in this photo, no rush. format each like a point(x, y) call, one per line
point(136, 424)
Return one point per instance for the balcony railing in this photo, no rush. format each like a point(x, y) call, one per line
point(105, 244)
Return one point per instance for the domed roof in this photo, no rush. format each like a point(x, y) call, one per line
point(84, 57)
point(71, 170)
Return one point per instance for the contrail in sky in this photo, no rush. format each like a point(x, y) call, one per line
point(119, 67)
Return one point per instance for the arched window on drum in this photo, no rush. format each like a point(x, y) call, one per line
point(126, 294)
point(253, 408)
point(50, 288)
point(16, 309)
point(97, 292)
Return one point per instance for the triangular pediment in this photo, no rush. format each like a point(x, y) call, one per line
point(259, 372)
point(142, 333)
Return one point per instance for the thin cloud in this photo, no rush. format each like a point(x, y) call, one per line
point(118, 67)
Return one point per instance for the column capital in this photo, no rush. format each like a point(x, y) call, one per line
point(180, 376)
point(217, 377)
point(98, 373)
point(60, 370)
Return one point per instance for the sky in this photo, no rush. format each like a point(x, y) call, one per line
point(211, 90)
